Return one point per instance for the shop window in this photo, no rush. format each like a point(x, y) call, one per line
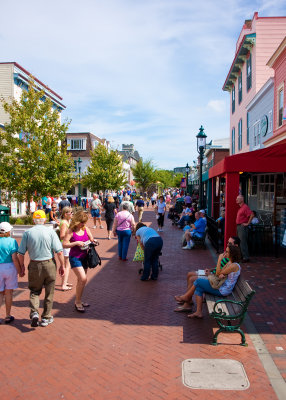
point(247, 128)
point(240, 88)
point(266, 193)
point(248, 73)
point(233, 99)
point(254, 186)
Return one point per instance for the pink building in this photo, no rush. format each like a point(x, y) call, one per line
point(278, 63)
point(249, 71)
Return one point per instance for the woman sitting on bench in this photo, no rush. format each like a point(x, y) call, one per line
point(201, 285)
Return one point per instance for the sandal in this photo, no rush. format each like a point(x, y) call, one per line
point(85, 304)
point(67, 288)
point(79, 308)
point(9, 319)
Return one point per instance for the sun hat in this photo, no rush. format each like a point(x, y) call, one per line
point(39, 214)
point(5, 227)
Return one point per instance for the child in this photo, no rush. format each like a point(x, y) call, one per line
point(147, 202)
point(9, 268)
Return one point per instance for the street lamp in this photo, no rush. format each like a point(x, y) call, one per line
point(79, 161)
point(187, 174)
point(201, 146)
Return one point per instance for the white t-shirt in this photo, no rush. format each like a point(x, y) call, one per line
point(32, 206)
point(161, 207)
point(96, 204)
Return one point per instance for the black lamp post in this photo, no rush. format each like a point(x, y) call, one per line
point(187, 176)
point(78, 163)
point(201, 146)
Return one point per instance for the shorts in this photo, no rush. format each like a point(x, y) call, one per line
point(66, 252)
point(78, 262)
point(8, 277)
point(95, 213)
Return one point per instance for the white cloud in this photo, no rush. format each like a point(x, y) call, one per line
point(218, 106)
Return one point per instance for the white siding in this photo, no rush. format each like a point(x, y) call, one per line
point(6, 88)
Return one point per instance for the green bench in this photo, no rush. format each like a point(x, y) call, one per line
point(229, 312)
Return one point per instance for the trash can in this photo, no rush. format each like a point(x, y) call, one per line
point(4, 214)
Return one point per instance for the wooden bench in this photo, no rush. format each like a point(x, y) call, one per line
point(200, 241)
point(229, 312)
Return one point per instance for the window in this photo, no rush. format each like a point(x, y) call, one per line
point(233, 141)
point(266, 193)
point(256, 134)
point(247, 128)
point(240, 88)
point(76, 144)
point(240, 134)
point(270, 121)
point(254, 185)
point(233, 99)
point(280, 106)
point(248, 73)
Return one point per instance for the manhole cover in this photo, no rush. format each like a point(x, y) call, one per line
point(214, 374)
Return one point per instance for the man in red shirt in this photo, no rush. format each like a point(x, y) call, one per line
point(243, 219)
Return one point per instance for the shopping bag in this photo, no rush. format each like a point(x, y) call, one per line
point(139, 254)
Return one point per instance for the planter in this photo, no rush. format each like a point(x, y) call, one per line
point(18, 230)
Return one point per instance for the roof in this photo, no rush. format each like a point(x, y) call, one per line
point(270, 159)
point(239, 59)
point(277, 53)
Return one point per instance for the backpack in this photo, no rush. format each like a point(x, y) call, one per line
point(93, 259)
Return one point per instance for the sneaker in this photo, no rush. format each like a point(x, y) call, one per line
point(34, 319)
point(47, 321)
point(158, 230)
point(101, 227)
point(94, 227)
point(186, 248)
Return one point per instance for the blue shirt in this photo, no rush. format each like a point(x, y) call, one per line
point(8, 246)
point(146, 233)
point(200, 225)
point(140, 203)
point(41, 242)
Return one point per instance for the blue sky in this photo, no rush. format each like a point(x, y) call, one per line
point(147, 72)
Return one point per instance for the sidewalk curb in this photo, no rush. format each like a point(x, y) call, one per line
point(275, 378)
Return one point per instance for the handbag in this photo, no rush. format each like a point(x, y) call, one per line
point(215, 281)
point(93, 259)
point(139, 254)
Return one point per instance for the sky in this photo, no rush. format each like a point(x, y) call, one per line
point(147, 72)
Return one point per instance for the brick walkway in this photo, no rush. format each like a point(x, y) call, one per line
point(130, 344)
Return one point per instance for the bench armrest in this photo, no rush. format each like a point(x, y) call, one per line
point(218, 312)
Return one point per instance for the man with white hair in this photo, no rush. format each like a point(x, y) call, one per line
point(95, 207)
point(41, 243)
point(130, 206)
point(243, 219)
point(196, 230)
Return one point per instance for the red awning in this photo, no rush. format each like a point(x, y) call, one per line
point(270, 159)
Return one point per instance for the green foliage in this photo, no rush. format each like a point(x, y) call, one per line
point(177, 179)
point(32, 161)
point(105, 170)
point(165, 178)
point(144, 174)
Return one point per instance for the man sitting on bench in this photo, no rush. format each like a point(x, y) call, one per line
point(197, 230)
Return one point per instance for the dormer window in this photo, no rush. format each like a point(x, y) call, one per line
point(76, 144)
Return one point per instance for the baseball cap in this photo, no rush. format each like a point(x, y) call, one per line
point(5, 227)
point(202, 211)
point(39, 214)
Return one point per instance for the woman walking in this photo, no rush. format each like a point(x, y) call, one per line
point(123, 227)
point(77, 239)
point(110, 211)
point(9, 268)
point(64, 226)
point(161, 209)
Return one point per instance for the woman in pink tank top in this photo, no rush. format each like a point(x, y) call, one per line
point(77, 239)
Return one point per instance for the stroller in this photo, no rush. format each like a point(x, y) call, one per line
point(175, 211)
point(140, 271)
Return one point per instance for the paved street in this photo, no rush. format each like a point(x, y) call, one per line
point(130, 344)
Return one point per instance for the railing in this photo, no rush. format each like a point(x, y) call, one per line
point(261, 240)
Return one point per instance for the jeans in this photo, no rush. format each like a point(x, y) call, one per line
point(123, 242)
point(184, 219)
point(152, 249)
point(203, 286)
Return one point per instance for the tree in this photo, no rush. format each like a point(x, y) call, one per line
point(165, 177)
point(105, 170)
point(144, 174)
point(34, 160)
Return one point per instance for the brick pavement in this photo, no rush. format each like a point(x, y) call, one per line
point(130, 344)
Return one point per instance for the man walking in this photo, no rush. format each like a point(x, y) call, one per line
point(243, 219)
point(140, 206)
point(41, 244)
point(95, 207)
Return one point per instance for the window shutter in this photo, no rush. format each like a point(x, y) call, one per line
point(84, 144)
